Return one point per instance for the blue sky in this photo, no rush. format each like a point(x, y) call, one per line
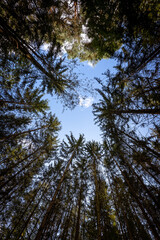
point(81, 120)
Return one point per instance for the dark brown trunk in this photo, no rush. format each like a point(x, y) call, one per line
point(140, 180)
point(79, 214)
point(149, 221)
point(143, 166)
point(116, 206)
point(31, 214)
point(25, 167)
point(140, 143)
point(149, 58)
point(73, 227)
point(24, 212)
point(23, 46)
point(97, 199)
point(21, 133)
point(5, 171)
point(66, 224)
point(135, 111)
point(51, 205)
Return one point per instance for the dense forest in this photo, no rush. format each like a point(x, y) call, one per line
point(77, 189)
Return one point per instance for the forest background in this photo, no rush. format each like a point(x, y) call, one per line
point(78, 189)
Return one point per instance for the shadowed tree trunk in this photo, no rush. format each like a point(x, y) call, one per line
point(79, 214)
point(97, 199)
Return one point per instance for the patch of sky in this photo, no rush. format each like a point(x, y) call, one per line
point(80, 120)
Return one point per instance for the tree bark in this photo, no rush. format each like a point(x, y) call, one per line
point(25, 167)
point(79, 214)
point(31, 214)
point(5, 171)
point(139, 143)
point(21, 133)
point(149, 221)
point(21, 216)
point(23, 46)
point(135, 111)
point(97, 199)
point(45, 218)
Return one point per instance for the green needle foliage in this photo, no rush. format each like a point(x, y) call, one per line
point(78, 190)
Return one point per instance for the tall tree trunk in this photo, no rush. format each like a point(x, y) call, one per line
point(139, 178)
point(115, 200)
point(73, 226)
point(135, 111)
point(143, 166)
point(149, 221)
point(84, 225)
point(75, 10)
point(23, 46)
point(24, 212)
point(21, 133)
point(66, 223)
point(140, 143)
point(16, 103)
point(79, 214)
point(51, 205)
point(97, 199)
point(31, 214)
point(5, 171)
point(149, 58)
point(25, 167)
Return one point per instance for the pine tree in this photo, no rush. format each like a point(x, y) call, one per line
point(74, 148)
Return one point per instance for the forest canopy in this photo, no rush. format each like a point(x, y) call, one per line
point(77, 189)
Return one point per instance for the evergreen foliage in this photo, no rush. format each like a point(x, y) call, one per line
point(75, 189)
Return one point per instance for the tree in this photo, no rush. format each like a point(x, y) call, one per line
point(103, 211)
point(74, 148)
point(74, 190)
point(25, 41)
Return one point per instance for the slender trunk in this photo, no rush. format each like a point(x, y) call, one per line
point(58, 225)
point(135, 111)
point(6, 195)
point(145, 62)
point(34, 228)
point(31, 215)
point(139, 179)
point(24, 212)
point(21, 133)
point(12, 102)
point(97, 199)
point(149, 58)
point(45, 219)
point(66, 224)
point(115, 205)
point(23, 46)
point(79, 214)
point(25, 167)
point(75, 10)
point(5, 171)
point(73, 226)
point(140, 143)
point(128, 227)
point(149, 221)
point(49, 228)
point(14, 14)
point(143, 166)
point(84, 225)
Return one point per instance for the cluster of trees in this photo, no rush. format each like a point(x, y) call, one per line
point(90, 191)
point(128, 115)
point(77, 189)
